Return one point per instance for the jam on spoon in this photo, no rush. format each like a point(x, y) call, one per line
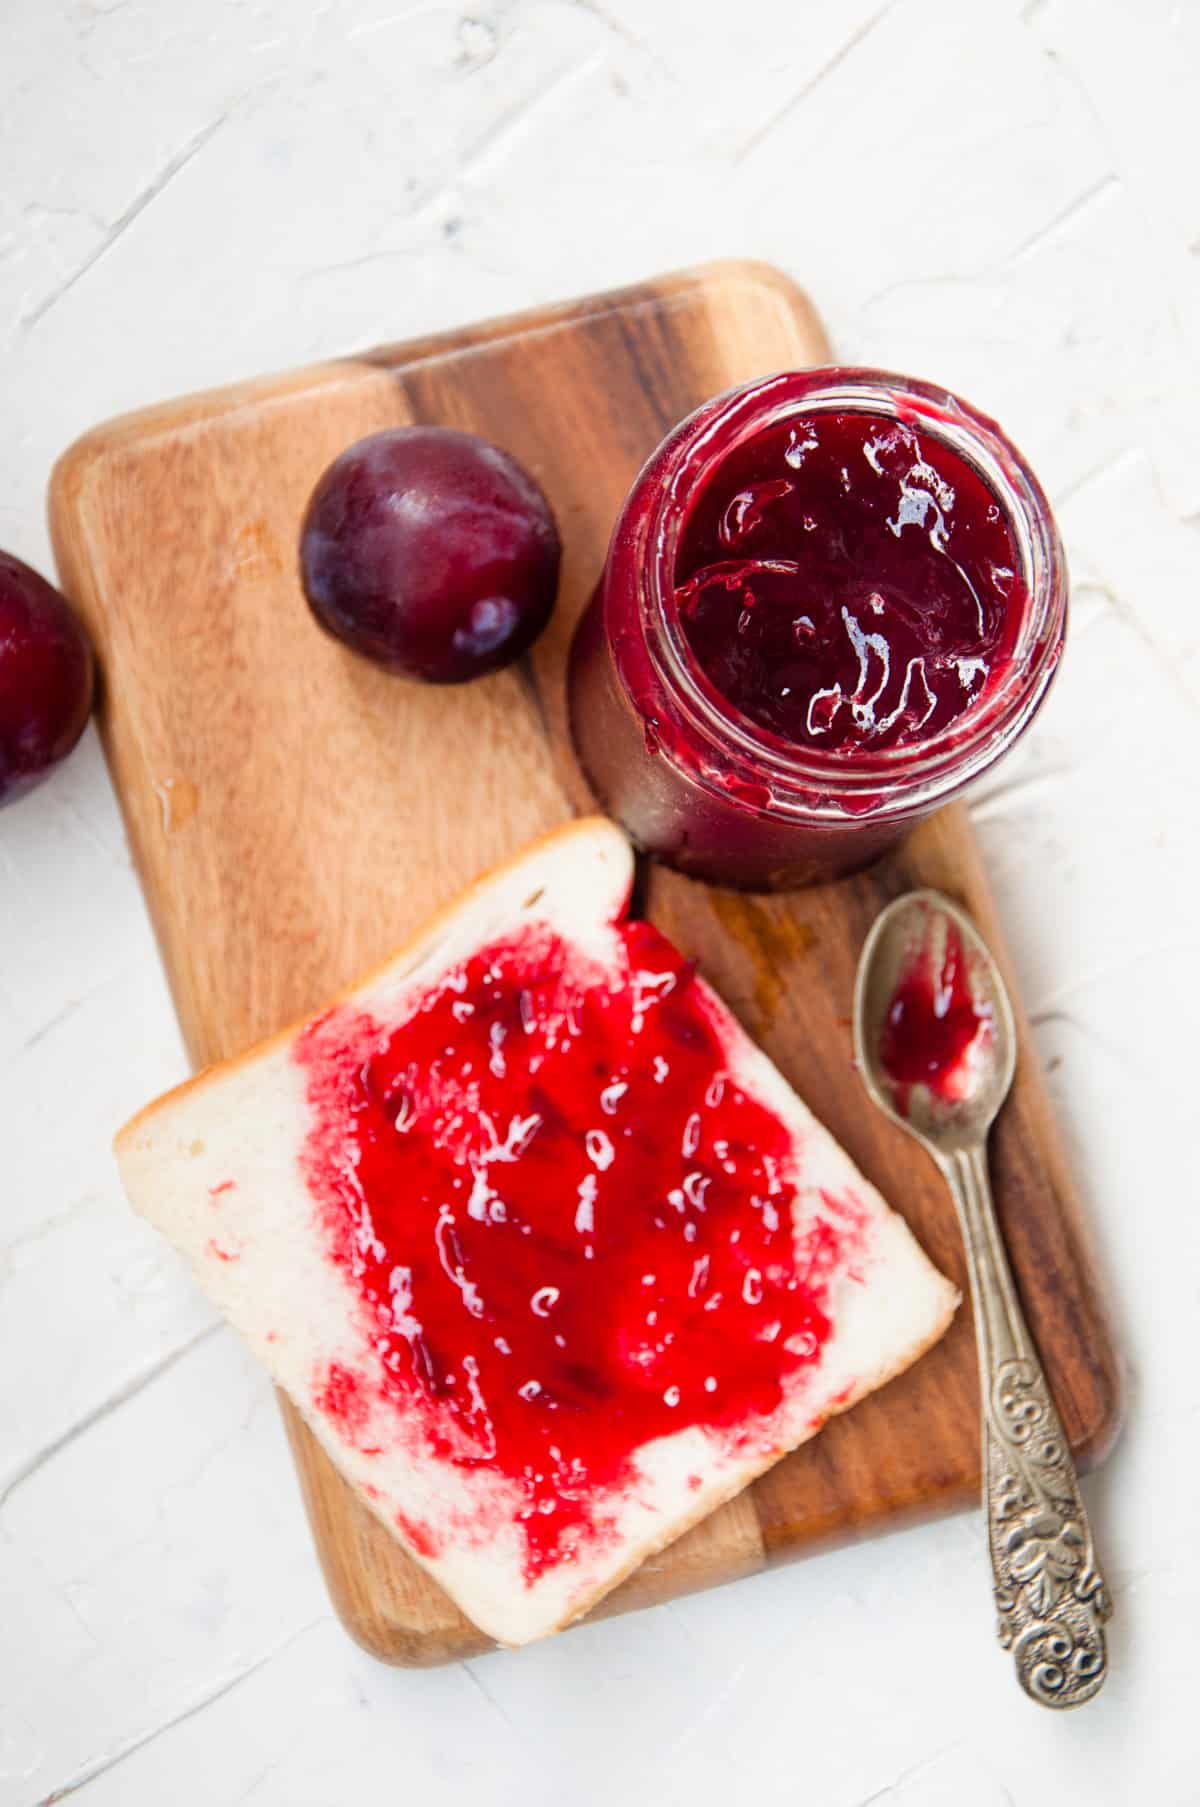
point(933, 1024)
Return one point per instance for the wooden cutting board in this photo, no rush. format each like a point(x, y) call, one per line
point(295, 813)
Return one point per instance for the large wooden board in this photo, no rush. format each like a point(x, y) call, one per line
point(295, 813)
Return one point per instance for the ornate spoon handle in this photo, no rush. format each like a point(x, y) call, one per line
point(1049, 1593)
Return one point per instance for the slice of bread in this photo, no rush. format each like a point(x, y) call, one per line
point(308, 1181)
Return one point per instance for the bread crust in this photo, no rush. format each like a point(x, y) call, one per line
point(577, 829)
point(739, 1484)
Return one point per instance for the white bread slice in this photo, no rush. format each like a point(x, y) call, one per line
point(216, 1166)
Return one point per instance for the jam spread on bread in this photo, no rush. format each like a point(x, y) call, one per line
point(570, 1231)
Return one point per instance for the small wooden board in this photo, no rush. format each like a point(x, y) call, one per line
point(294, 814)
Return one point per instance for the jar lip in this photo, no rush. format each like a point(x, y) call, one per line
point(894, 780)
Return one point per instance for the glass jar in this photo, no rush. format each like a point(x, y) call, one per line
point(702, 786)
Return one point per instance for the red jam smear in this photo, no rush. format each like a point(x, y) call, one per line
point(933, 1022)
point(570, 1231)
point(342, 1397)
point(848, 582)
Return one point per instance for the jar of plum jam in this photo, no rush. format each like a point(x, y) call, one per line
point(831, 599)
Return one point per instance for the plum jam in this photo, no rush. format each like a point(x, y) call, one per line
point(831, 600)
point(570, 1230)
point(848, 582)
point(933, 1024)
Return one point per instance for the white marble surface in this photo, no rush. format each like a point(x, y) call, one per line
point(999, 196)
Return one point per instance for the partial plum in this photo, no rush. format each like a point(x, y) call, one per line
point(45, 677)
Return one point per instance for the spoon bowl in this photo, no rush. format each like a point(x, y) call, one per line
point(934, 1035)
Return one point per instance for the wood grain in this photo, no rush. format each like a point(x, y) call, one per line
point(294, 814)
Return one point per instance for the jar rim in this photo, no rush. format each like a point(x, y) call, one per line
point(804, 781)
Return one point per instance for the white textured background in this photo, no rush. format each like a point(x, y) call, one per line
point(998, 196)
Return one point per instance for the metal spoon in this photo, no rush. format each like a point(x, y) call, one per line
point(1048, 1589)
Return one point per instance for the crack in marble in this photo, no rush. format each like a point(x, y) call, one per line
point(1166, 663)
point(35, 210)
point(256, 1781)
point(105, 1409)
point(821, 75)
point(596, 10)
point(48, 1226)
point(62, 1590)
point(494, 141)
point(915, 1769)
point(944, 279)
point(388, 255)
point(145, 198)
point(187, 1483)
point(97, 15)
point(1075, 82)
point(1156, 483)
point(102, 1765)
point(512, 124)
point(496, 1705)
point(1096, 190)
point(1082, 204)
point(370, 26)
point(64, 1013)
point(1113, 462)
point(724, 1687)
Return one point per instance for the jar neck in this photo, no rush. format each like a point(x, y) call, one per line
point(726, 750)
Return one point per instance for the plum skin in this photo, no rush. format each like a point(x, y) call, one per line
point(431, 552)
point(46, 677)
